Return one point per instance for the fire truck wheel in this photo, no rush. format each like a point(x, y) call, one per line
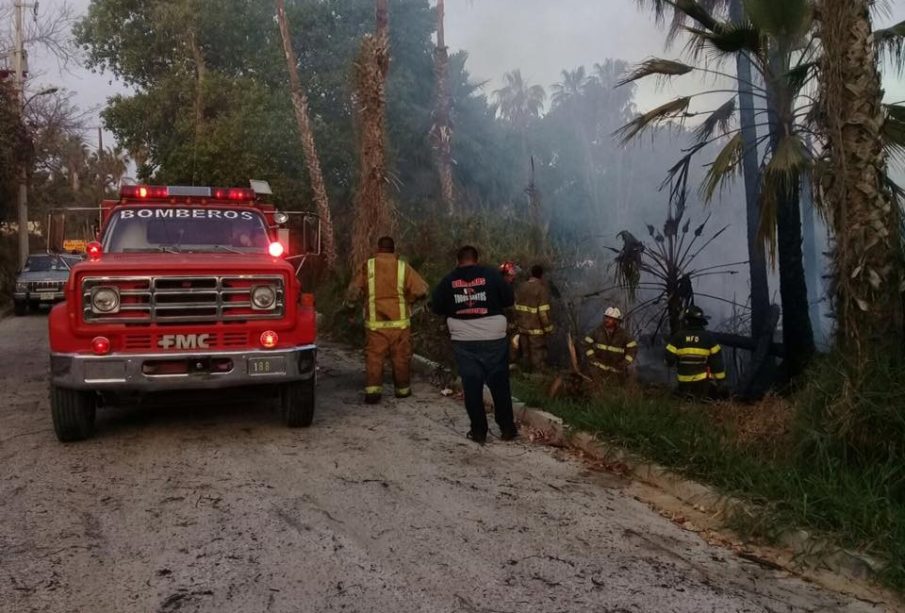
point(73, 413)
point(297, 400)
point(20, 307)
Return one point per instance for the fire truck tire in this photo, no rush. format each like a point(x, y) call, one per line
point(73, 413)
point(20, 307)
point(297, 404)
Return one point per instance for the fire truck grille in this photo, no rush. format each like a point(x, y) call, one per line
point(174, 300)
point(148, 341)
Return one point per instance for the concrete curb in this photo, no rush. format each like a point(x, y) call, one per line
point(808, 549)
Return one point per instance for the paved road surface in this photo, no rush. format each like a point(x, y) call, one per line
point(219, 508)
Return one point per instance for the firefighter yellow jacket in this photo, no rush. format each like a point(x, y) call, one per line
point(696, 355)
point(532, 308)
point(611, 352)
point(390, 286)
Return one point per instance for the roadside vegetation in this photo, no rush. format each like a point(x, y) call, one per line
point(786, 456)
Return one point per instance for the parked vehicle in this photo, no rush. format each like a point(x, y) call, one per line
point(42, 281)
point(189, 288)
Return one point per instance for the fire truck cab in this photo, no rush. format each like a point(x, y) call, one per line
point(187, 288)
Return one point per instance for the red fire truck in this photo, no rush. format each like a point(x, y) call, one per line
point(187, 288)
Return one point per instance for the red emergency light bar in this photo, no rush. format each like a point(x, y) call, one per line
point(163, 192)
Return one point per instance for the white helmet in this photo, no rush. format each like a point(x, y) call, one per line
point(613, 313)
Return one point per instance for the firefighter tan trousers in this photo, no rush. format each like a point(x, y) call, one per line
point(395, 344)
point(534, 351)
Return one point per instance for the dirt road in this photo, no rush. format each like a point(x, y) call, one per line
point(219, 508)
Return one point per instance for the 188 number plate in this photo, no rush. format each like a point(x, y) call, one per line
point(267, 366)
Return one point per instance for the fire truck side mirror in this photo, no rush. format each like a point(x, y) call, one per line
point(301, 234)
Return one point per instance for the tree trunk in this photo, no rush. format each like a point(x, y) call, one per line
point(442, 130)
point(797, 333)
point(757, 260)
point(374, 212)
point(306, 135)
point(863, 215)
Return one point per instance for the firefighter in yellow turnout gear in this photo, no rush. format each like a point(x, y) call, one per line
point(697, 356)
point(610, 350)
point(532, 316)
point(390, 287)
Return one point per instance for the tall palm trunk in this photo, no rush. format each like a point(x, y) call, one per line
point(797, 332)
point(374, 213)
point(757, 259)
point(442, 130)
point(306, 135)
point(200, 80)
point(864, 218)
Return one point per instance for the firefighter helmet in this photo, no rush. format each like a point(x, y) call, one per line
point(613, 313)
point(509, 268)
point(694, 314)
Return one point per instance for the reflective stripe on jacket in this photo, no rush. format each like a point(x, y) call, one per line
point(696, 355)
point(389, 286)
point(532, 308)
point(610, 351)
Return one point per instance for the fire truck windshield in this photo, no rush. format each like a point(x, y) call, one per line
point(186, 230)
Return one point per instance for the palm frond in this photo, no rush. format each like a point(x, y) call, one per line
point(800, 76)
point(890, 43)
point(680, 12)
point(720, 119)
point(656, 66)
point(726, 39)
point(697, 11)
point(786, 21)
point(724, 167)
point(674, 109)
point(894, 131)
point(781, 175)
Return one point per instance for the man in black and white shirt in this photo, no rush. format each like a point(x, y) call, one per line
point(473, 299)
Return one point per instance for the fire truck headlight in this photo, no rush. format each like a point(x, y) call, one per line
point(105, 300)
point(263, 297)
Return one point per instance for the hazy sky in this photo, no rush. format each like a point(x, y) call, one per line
point(539, 36)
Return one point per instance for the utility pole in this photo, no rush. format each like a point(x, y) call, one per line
point(19, 60)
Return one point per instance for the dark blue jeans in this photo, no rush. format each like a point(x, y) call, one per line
point(480, 363)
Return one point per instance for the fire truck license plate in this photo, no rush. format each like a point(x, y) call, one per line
point(267, 366)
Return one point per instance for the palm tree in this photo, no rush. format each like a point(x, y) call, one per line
point(783, 63)
point(785, 51)
point(374, 215)
point(442, 128)
point(757, 260)
point(73, 158)
point(306, 134)
point(864, 217)
point(518, 101)
point(571, 87)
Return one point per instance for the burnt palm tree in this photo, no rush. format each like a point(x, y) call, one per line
point(306, 136)
point(441, 131)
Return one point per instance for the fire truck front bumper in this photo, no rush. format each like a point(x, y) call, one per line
point(154, 372)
